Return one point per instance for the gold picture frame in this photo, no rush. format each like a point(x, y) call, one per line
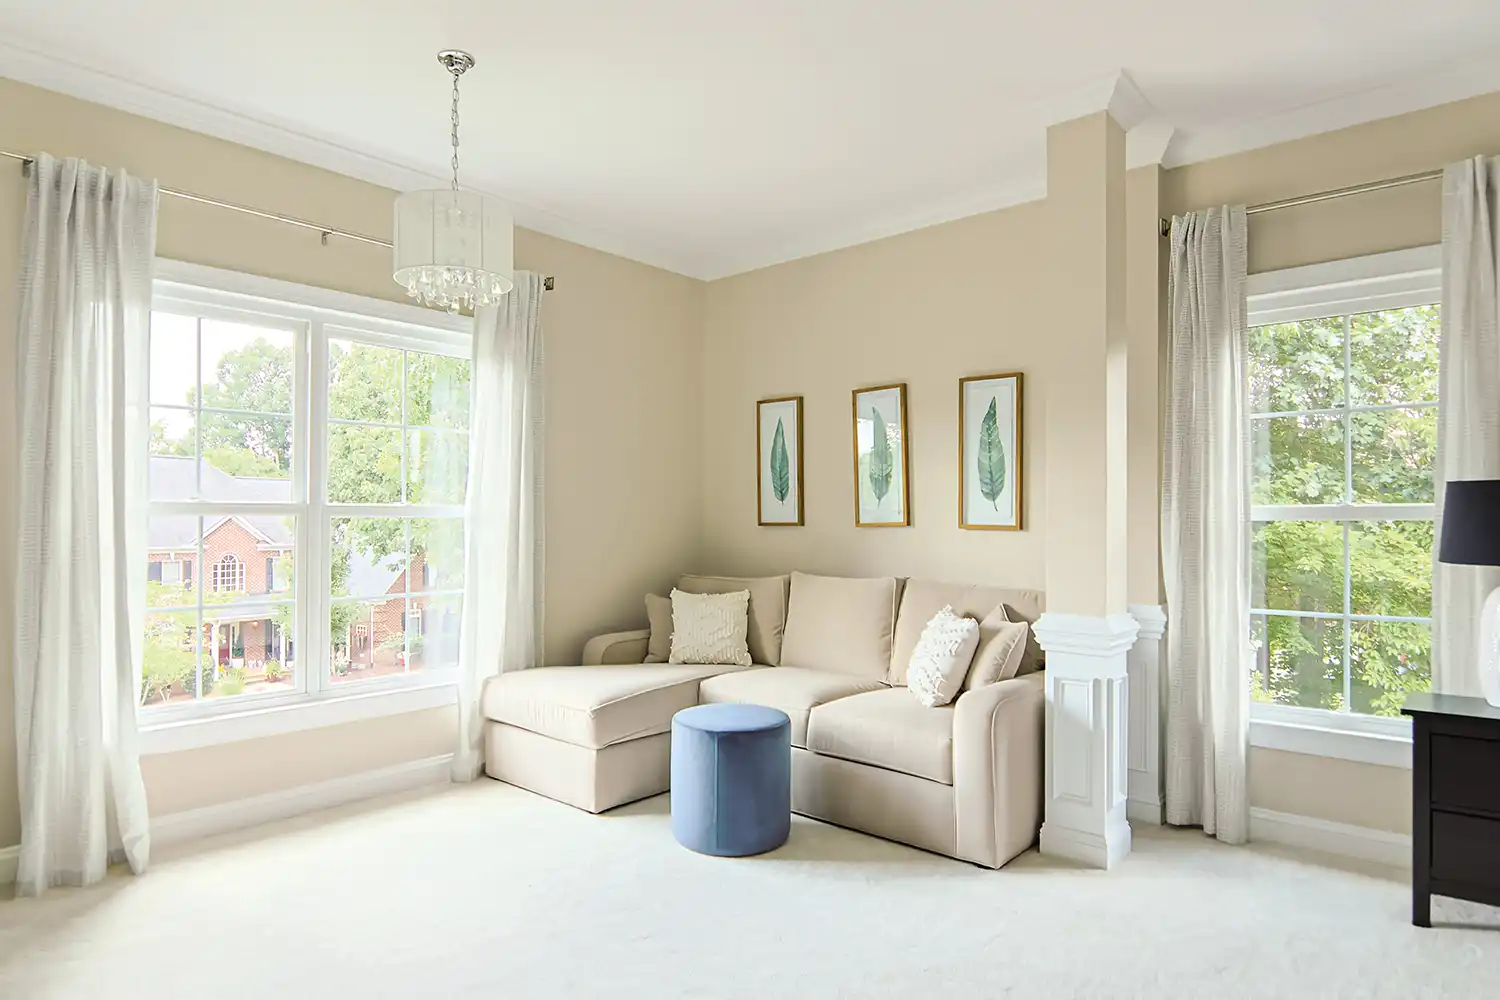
point(778, 470)
point(991, 439)
point(876, 490)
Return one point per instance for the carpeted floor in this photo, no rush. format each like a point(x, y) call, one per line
point(488, 891)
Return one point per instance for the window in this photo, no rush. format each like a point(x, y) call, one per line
point(306, 448)
point(1343, 392)
point(229, 574)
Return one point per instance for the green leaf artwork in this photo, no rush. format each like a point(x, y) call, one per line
point(991, 458)
point(781, 469)
point(880, 467)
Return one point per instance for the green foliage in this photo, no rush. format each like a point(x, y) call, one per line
point(781, 469)
point(274, 671)
point(991, 458)
point(881, 466)
point(232, 681)
point(1299, 565)
point(255, 377)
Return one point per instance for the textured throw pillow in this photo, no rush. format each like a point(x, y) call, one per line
point(1001, 650)
point(659, 614)
point(710, 628)
point(940, 661)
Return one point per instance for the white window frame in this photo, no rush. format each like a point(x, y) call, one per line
point(314, 315)
point(1340, 288)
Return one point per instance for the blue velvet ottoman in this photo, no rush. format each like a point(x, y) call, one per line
point(731, 779)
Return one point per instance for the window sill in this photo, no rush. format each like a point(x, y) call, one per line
point(1364, 739)
point(310, 713)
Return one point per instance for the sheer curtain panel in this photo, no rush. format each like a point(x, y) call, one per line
point(1206, 527)
point(1468, 404)
point(503, 514)
point(81, 499)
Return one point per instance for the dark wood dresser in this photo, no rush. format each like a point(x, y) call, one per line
point(1455, 790)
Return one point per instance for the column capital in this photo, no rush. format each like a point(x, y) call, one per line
point(1086, 635)
point(1152, 619)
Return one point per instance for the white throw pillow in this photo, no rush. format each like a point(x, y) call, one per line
point(710, 628)
point(940, 660)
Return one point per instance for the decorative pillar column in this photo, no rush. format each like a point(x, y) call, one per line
point(1086, 725)
point(1143, 664)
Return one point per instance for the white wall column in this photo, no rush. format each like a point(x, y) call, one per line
point(1143, 666)
point(1086, 724)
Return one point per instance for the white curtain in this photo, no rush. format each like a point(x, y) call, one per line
point(1468, 403)
point(1206, 527)
point(503, 514)
point(81, 495)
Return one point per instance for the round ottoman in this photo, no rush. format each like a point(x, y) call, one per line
point(731, 779)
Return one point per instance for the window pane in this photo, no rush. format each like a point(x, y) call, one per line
point(437, 464)
point(174, 358)
point(364, 464)
point(168, 657)
point(1390, 660)
point(247, 367)
point(437, 391)
point(1394, 356)
point(367, 639)
point(1394, 452)
point(1298, 566)
point(364, 382)
point(367, 556)
point(437, 553)
point(1297, 366)
point(1297, 460)
point(1298, 661)
point(1390, 566)
point(432, 630)
point(246, 458)
point(240, 639)
point(173, 441)
point(171, 554)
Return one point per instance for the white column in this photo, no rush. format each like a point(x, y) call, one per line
point(1087, 723)
point(1143, 664)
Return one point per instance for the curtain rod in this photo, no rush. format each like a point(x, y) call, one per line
point(1343, 192)
point(325, 231)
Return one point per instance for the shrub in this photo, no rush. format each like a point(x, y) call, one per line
point(274, 671)
point(231, 681)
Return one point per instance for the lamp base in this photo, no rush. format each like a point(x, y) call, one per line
point(1489, 648)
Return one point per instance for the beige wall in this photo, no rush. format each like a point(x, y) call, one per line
point(622, 355)
point(1342, 791)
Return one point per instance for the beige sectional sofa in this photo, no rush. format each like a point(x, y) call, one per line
point(963, 780)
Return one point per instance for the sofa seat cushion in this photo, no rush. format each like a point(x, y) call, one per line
point(794, 690)
point(594, 707)
point(888, 729)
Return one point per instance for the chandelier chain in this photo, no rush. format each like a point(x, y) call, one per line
point(455, 133)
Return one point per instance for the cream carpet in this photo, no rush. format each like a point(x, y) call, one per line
point(488, 891)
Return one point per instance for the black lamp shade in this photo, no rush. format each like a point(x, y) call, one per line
point(1471, 523)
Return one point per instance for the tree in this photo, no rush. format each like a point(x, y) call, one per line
point(256, 377)
point(1300, 460)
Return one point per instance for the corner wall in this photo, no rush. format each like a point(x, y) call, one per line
point(623, 445)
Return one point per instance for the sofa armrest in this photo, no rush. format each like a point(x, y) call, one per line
point(997, 768)
point(617, 647)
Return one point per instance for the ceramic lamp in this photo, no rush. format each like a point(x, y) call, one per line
point(1471, 537)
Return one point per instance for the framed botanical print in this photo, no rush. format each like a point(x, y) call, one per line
point(989, 452)
point(882, 481)
point(778, 470)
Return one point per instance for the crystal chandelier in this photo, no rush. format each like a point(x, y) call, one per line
point(452, 247)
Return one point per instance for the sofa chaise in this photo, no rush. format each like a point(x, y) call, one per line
point(964, 780)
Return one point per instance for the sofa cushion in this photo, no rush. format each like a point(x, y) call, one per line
point(659, 615)
point(795, 691)
point(842, 624)
point(767, 608)
point(889, 729)
point(1000, 658)
point(921, 599)
point(710, 628)
point(593, 707)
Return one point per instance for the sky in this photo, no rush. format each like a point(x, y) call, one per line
point(174, 359)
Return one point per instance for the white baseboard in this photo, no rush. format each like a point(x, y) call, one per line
point(1327, 837)
point(175, 828)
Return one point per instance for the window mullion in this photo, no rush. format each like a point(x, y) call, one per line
point(314, 597)
point(1349, 499)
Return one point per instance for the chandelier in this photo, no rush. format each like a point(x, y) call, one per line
point(452, 247)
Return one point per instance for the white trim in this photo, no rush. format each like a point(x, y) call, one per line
point(1381, 847)
point(306, 712)
point(1367, 739)
point(193, 824)
point(1340, 287)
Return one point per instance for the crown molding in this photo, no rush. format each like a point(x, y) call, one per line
point(1146, 145)
point(26, 64)
point(1475, 77)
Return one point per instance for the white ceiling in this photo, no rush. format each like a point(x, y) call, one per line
point(716, 136)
